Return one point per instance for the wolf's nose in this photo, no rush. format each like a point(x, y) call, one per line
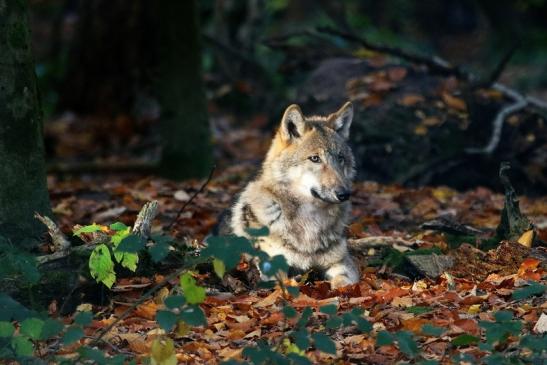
point(343, 195)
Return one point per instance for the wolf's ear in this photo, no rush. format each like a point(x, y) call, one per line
point(292, 123)
point(341, 120)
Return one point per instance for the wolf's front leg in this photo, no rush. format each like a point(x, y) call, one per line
point(343, 273)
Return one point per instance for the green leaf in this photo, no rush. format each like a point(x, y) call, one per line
point(289, 311)
point(127, 260)
point(83, 318)
point(407, 345)
point(293, 290)
point(534, 343)
point(193, 315)
point(431, 330)
point(22, 346)
point(101, 266)
point(158, 251)
point(503, 316)
point(118, 226)
point(328, 309)
point(11, 309)
point(32, 327)
point(298, 359)
point(6, 329)
point(465, 340)
point(528, 291)
point(333, 322)
point(275, 264)
point(73, 334)
point(52, 327)
point(323, 343)
point(418, 309)
point(219, 267)
point(174, 301)
point(166, 319)
point(96, 356)
point(301, 339)
point(384, 338)
point(131, 244)
point(228, 249)
point(258, 232)
point(194, 294)
point(304, 317)
point(88, 229)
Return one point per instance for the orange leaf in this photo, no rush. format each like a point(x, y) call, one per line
point(147, 310)
point(411, 99)
point(414, 324)
point(528, 264)
point(454, 102)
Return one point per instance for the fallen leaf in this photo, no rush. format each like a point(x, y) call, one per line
point(269, 300)
point(454, 102)
point(527, 238)
point(411, 99)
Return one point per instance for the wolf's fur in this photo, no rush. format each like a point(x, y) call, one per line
point(301, 200)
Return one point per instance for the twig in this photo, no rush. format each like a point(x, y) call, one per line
point(60, 242)
point(520, 102)
point(436, 64)
point(192, 198)
point(496, 73)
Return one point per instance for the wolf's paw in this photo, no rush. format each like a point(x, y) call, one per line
point(272, 212)
point(340, 281)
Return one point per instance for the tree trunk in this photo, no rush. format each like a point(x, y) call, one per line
point(23, 188)
point(184, 120)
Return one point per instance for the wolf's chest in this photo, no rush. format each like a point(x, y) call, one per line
point(313, 225)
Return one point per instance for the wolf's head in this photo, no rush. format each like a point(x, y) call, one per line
point(310, 156)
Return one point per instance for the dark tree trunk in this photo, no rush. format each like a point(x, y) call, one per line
point(23, 188)
point(184, 120)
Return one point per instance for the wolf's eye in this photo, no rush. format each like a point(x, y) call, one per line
point(315, 159)
point(341, 158)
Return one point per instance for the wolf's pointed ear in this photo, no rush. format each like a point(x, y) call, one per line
point(341, 120)
point(292, 123)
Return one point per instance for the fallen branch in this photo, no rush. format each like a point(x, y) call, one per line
point(448, 226)
point(520, 102)
point(366, 243)
point(143, 223)
point(435, 63)
point(443, 67)
point(141, 227)
point(60, 242)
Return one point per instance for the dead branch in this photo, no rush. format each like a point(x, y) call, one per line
point(141, 227)
point(434, 63)
point(520, 102)
point(143, 222)
point(60, 242)
point(366, 243)
point(443, 67)
point(448, 226)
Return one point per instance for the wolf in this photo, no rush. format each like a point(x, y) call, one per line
point(301, 194)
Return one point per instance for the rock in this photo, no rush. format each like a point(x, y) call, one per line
point(432, 265)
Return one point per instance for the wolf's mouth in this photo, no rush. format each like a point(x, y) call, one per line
point(315, 194)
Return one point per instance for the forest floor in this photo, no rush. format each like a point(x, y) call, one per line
point(477, 286)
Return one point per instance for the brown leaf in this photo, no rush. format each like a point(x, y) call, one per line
point(411, 99)
point(269, 300)
point(454, 102)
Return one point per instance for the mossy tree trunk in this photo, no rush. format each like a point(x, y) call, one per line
point(184, 120)
point(23, 188)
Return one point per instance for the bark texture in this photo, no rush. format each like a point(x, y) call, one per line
point(23, 187)
point(184, 120)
